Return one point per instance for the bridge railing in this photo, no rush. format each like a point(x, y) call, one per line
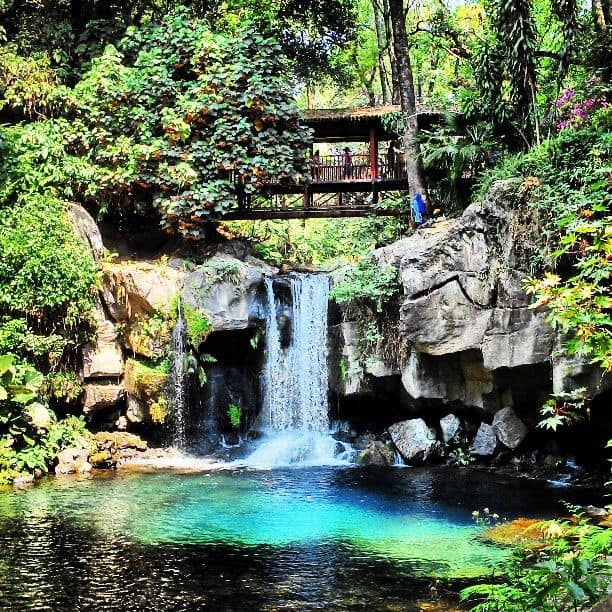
point(333, 168)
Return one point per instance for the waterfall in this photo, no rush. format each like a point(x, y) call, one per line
point(294, 416)
point(294, 385)
point(178, 380)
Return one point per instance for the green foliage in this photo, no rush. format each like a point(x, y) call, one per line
point(318, 241)
point(47, 275)
point(367, 282)
point(570, 572)
point(28, 85)
point(234, 413)
point(180, 119)
point(30, 434)
point(45, 270)
point(455, 153)
point(197, 325)
point(564, 408)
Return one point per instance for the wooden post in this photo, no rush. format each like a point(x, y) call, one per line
point(307, 198)
point(373, 153)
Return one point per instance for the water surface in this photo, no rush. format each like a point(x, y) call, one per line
point(296, 539)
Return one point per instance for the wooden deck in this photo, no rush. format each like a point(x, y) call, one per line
point(317, 200)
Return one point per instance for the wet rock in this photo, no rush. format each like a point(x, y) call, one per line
point(101, 396)
point(595, 513)
point(146, 393)
point(119, 440)
point(485, 442)
point(22, 480)
point(136, 410)
point(450, 426)
point(509, 429)
point(376, 453)
point(37, 416)
point(101, 458)
point(73, 460)
point(114, 447)
point(347, 377)
point(415, 441)
point(363, 440)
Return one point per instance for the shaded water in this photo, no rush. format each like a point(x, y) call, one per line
point(318, 538)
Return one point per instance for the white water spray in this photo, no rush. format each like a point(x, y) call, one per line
point(294, 416)
point(178, 380)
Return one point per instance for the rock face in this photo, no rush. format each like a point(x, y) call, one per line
point(99, 396)
point(104, 357)
point(469, 335)
point(415, 441)
point(485, 442)
point(510, 430)
point(130, 288)
point(85, 226)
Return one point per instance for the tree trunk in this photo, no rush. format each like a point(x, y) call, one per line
point(601, 14)
point(414, 166)
point(381, 43)
point(395, 85)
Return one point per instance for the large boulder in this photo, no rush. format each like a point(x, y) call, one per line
point(414, 439)
point(450, 425)
point(225, 289)
point(115, 447)
point(464, 314)
point(485, 442)
point(509, 429)
point(73, 460)
point(145, 288)
point(101, 396)
point(86, 227)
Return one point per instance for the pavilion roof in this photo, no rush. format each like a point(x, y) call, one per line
point(353, 124)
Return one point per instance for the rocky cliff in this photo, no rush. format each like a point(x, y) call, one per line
point(471, 342)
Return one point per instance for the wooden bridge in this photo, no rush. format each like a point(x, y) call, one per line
point(337, 188)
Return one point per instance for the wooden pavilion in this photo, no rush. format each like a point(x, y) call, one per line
point(367, 174)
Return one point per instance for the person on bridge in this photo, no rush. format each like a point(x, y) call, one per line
point(316, 164)
point(347, 164)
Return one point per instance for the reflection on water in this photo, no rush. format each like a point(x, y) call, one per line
point(324, 538)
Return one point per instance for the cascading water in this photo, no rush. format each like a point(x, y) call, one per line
point(179, 404)
point(294, 386)
point(294, 417)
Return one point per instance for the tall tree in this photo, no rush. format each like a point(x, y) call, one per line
point(395, 87)
point(414, 166)
point(382, 45)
